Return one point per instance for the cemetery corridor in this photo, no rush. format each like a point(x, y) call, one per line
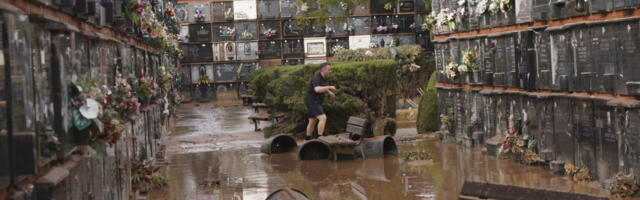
point(213, 152)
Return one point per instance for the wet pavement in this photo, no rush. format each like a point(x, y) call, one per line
point(213, 153)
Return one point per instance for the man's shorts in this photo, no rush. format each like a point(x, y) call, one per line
point(314, 110)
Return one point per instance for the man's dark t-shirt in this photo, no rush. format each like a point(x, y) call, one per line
point(313, 97)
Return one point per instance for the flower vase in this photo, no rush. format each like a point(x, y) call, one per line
point(82, 137)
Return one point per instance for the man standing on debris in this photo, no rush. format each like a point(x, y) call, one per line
point(314, 97)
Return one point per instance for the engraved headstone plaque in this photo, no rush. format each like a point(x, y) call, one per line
point(224, 51)
point(293, 48)
point(271, 28)
point(225, 72)
point(421, 6)
point(314, 61)
point(334, 44)
point(200, 32)
point(377, 6)
point(512, 78)
point(336, 28)
point(583, 121)
point(184, 33)
point(607, 140)
point(224, 31)
point(407, 39)
point(361, 25)
point(268, 9)
point(197, 53)
point(315, 29)
point(603, 53)
point(270, 49)
point(272, 63)
point(359, 41)
point(195, 74)
point(627, 48)
point(561, 60)
point(314, 47)
point(203, 8)
point(361, 9)
point(292, 29)
point(222, 11)
point(630, 142)
point(499, 60)
point(247, 30)
point(563, 136)
point(244, 9)
point(584, 68)
point(403, 23)
point(247, 50)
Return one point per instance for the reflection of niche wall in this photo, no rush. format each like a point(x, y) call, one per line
point(314, 47)
point(244, 9)
point(224, 51)
point(359, 41)
point(247, 50)
point(225, 72)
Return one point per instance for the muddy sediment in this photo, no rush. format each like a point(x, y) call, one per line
point(213, 153)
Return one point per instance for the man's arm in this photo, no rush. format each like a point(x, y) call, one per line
point(323, 89)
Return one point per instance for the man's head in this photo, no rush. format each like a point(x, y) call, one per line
point(325, 69)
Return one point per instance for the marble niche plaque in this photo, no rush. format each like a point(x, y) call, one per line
point(270, 49)
point(246, 31)
point(244, 9)
point(293, 48)
point(222, 11)
point(314, 47)
point(224, 31)
point(200, 32)
point(247, 50)
point(268, 9)
point(224, 51)
point(225, 72)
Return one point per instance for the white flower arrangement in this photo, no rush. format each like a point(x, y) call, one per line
point(482, 7)
point(494, 6)
point(451, 70)
point(463, 68)
point(336, 48)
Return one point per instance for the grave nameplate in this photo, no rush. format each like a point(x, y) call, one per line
point(314, 61)
point(488, 60)
point(293, 48)
point(382, 24)
point(419, 20)
point(438, 57)
point(268, 9)
point(541, 10)
point(500, 61)
point(460, 112)
point(336, 28)
point(360, 41)
point(512, 78)
point(334, 44)
point(604, 56)
point(289, 9)
point(406, 5)
point(247, 30)
point(544, 110)
point(292, 62)
point(315, 29)
point(247, 50)
point(270, 49)
point(607, 140)
point(583, 121)
point(561, 59)
point(502, 114)
point(625, 4)
point(224, 51)
point(475, 46)
point(596, 6)
point(244, 9)
point(381, 41)
point(489, 115)
point(203, 8)
point(224, 31)
point(222, 11)
point(314, 47)
point(526, 60)
point(197, 52)
point(563, 136)
point(628, 42)
point(361, 25)
point(524, 11)
point(246, 69)
point(269, 26)
point(404, 23)
point(291, 28)
point(543, 59)
point(446, 55)
point(583, 67)
point(200, 32)
point(225, 72)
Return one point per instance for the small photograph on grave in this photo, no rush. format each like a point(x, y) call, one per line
point(183, 36)
point(222, 11)
point(246, 69)
point(315, 30)
point(199, 12)
point(270, 49)
point(182, 12)
point(292, 29)
point(337, 28)
point(197, 53)
point(359, 26)
point(314, 61)
point(289, 9)
point(314, 47)
point(382, 24)
point(224, 51)
point(269, 29)
point(244, 9)
point(224, 31)
point(247, 50)
point(403, 24)
point(200, 32)
point(334, 44)
point(268, 9)
point(267, 63)
point(247, 30)
point(290, 62)
point(293, 48)
point(225, 72)
point(384, 6)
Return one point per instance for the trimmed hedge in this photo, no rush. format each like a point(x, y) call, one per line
point(364, 89)
point(428, 108)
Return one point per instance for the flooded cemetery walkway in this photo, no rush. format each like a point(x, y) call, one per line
point(213, 153)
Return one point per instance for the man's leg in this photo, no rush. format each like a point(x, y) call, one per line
point(323, 120)
point(311, 126)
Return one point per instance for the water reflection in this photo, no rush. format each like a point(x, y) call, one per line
point(248, 174)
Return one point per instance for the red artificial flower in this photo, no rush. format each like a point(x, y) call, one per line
point(140, 74)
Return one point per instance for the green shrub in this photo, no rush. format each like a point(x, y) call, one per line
point(428, 108)
point(414, 65)
point(364, 89)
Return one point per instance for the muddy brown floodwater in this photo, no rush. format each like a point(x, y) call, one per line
point(213, 153)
